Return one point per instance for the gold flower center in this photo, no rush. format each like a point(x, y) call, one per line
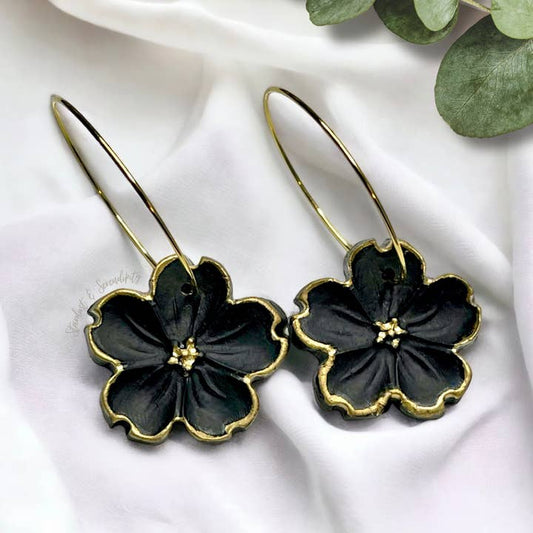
point(185, 357)
point(390, 330)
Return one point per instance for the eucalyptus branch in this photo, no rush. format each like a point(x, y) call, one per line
point(476, 5)
point(485, 81)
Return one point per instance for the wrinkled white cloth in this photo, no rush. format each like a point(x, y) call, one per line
point(177, 91)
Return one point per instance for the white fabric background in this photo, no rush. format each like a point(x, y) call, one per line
point(178, 93)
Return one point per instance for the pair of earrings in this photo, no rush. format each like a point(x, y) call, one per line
point(187, 352)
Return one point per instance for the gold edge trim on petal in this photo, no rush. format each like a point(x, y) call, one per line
point(230, 428)
point(375, 409)
point(96, 312)
point(437, 409)
point(112, 418)
point(283, 341)
point(133, 432)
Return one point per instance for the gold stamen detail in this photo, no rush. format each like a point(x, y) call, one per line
point(390, 329)
point(184, 357)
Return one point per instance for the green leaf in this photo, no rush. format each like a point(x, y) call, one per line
point(322, 12)
point(436, 14)
point(401, 18)
point(513, 17)
point(485, 82)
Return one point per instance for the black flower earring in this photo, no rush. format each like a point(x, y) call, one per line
point(387, 333)
point(185, 351)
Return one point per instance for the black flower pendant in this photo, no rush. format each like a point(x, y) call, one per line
point(184, 354)
point(381, 337)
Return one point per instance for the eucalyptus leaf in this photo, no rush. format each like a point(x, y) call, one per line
point(436, 14)
point(322, 12)
point(401, 18)
point(513, 17)
point(485, 82)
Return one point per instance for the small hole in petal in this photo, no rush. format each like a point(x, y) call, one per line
point(388, 274)
point(187, 289)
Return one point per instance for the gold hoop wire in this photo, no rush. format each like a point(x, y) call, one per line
point(56, 101)
point(347, 155)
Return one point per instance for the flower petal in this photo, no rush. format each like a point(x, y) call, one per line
point(129, 331)
point(149, 397)
point(240, 337)
point(184, 312)
point(441, 312)
point(377, 280)
point(215, 288)
point(336, 318)
point(362, 376)
point(175, 301)
point(216, 399)
point(425, 371)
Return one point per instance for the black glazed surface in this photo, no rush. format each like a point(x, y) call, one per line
point(184, 354)
point(380, 337)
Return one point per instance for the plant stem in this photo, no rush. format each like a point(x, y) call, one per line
point(476, 5)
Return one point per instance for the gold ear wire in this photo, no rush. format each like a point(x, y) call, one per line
point(347, 155)
point(55, 102)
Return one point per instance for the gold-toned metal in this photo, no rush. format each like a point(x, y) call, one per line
point(185, 357)
point(406, 404)
point(134, 433)
point(57, 101)
point(390, 329)
point(347, 155)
